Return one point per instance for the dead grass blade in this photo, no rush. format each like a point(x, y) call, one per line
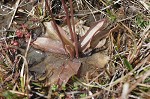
point(15, 9)
point(122, 78)
point(7, 58)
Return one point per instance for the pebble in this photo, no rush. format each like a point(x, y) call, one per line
point(35, 56)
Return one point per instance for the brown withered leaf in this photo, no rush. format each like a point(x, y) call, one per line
point(56, 69)
point(86, 39)
point(98, 60)
point(95, 40)
point(62, 74)
point(48, 44)
point(100, 44)
point(80, 28)
point(51, 33)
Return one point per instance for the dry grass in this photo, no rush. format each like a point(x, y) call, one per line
point(127, 75)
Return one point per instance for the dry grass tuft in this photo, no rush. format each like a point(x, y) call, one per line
point(125, 75)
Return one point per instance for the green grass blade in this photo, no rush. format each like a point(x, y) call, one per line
point(127, 64)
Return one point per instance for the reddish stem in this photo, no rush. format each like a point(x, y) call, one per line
point(55, 26)
point(74, 34)
point(68, 19)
